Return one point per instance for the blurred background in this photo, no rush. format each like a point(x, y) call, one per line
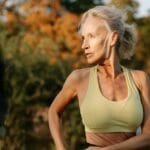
point(39, 47)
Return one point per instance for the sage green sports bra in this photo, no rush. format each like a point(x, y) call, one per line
point(102, 115)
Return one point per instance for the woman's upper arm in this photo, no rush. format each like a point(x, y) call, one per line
point(67, 93)
point(145, 95)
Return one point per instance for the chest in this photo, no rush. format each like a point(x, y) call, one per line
point(115, 90)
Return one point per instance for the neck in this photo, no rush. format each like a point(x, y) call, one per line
point(110, 67)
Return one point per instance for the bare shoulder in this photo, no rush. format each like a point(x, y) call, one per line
point(77, 75)
point(141, 78)
point(82, 73)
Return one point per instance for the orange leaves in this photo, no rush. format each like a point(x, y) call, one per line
point(66, 31)
point(56, 5)
point(45, 28)
point(31, 39)
point(11, 17)
point(49, 28)
point(38, 16)
point(68, 20)
point(39, 20)
point(43, 3)
point(32, 3)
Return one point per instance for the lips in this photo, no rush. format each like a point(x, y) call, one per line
point(88, 54)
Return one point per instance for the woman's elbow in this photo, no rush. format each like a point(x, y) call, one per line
point(53, 113)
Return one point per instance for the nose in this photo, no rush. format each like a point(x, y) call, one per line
point(85, 44)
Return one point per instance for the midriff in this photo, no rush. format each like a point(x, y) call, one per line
point(106, 139)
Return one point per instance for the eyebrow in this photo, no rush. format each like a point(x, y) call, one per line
point(82, 36)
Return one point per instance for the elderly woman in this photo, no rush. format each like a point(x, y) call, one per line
point(113, 100)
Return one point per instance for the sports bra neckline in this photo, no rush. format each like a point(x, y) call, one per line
point(104, 97)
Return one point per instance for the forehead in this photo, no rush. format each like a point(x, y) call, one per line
point(93, 25)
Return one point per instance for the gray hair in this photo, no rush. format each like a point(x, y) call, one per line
point(115, 20)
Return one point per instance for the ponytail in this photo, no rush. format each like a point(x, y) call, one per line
point(127, 42)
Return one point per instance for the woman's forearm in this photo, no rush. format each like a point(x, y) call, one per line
point(56, 131)
point(139, 142)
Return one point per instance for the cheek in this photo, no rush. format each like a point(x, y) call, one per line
point(101, 42)
point(97, 43)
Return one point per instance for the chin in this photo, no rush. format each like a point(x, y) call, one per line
point(92, 62)
point(95, 62)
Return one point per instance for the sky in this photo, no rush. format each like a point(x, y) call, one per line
point(144, 7)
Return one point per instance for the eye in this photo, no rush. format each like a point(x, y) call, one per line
point(91, 36)
point(82, 38)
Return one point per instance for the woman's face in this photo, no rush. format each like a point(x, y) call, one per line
point(95, 36)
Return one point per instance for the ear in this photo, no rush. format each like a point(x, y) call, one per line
point(114, 38)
